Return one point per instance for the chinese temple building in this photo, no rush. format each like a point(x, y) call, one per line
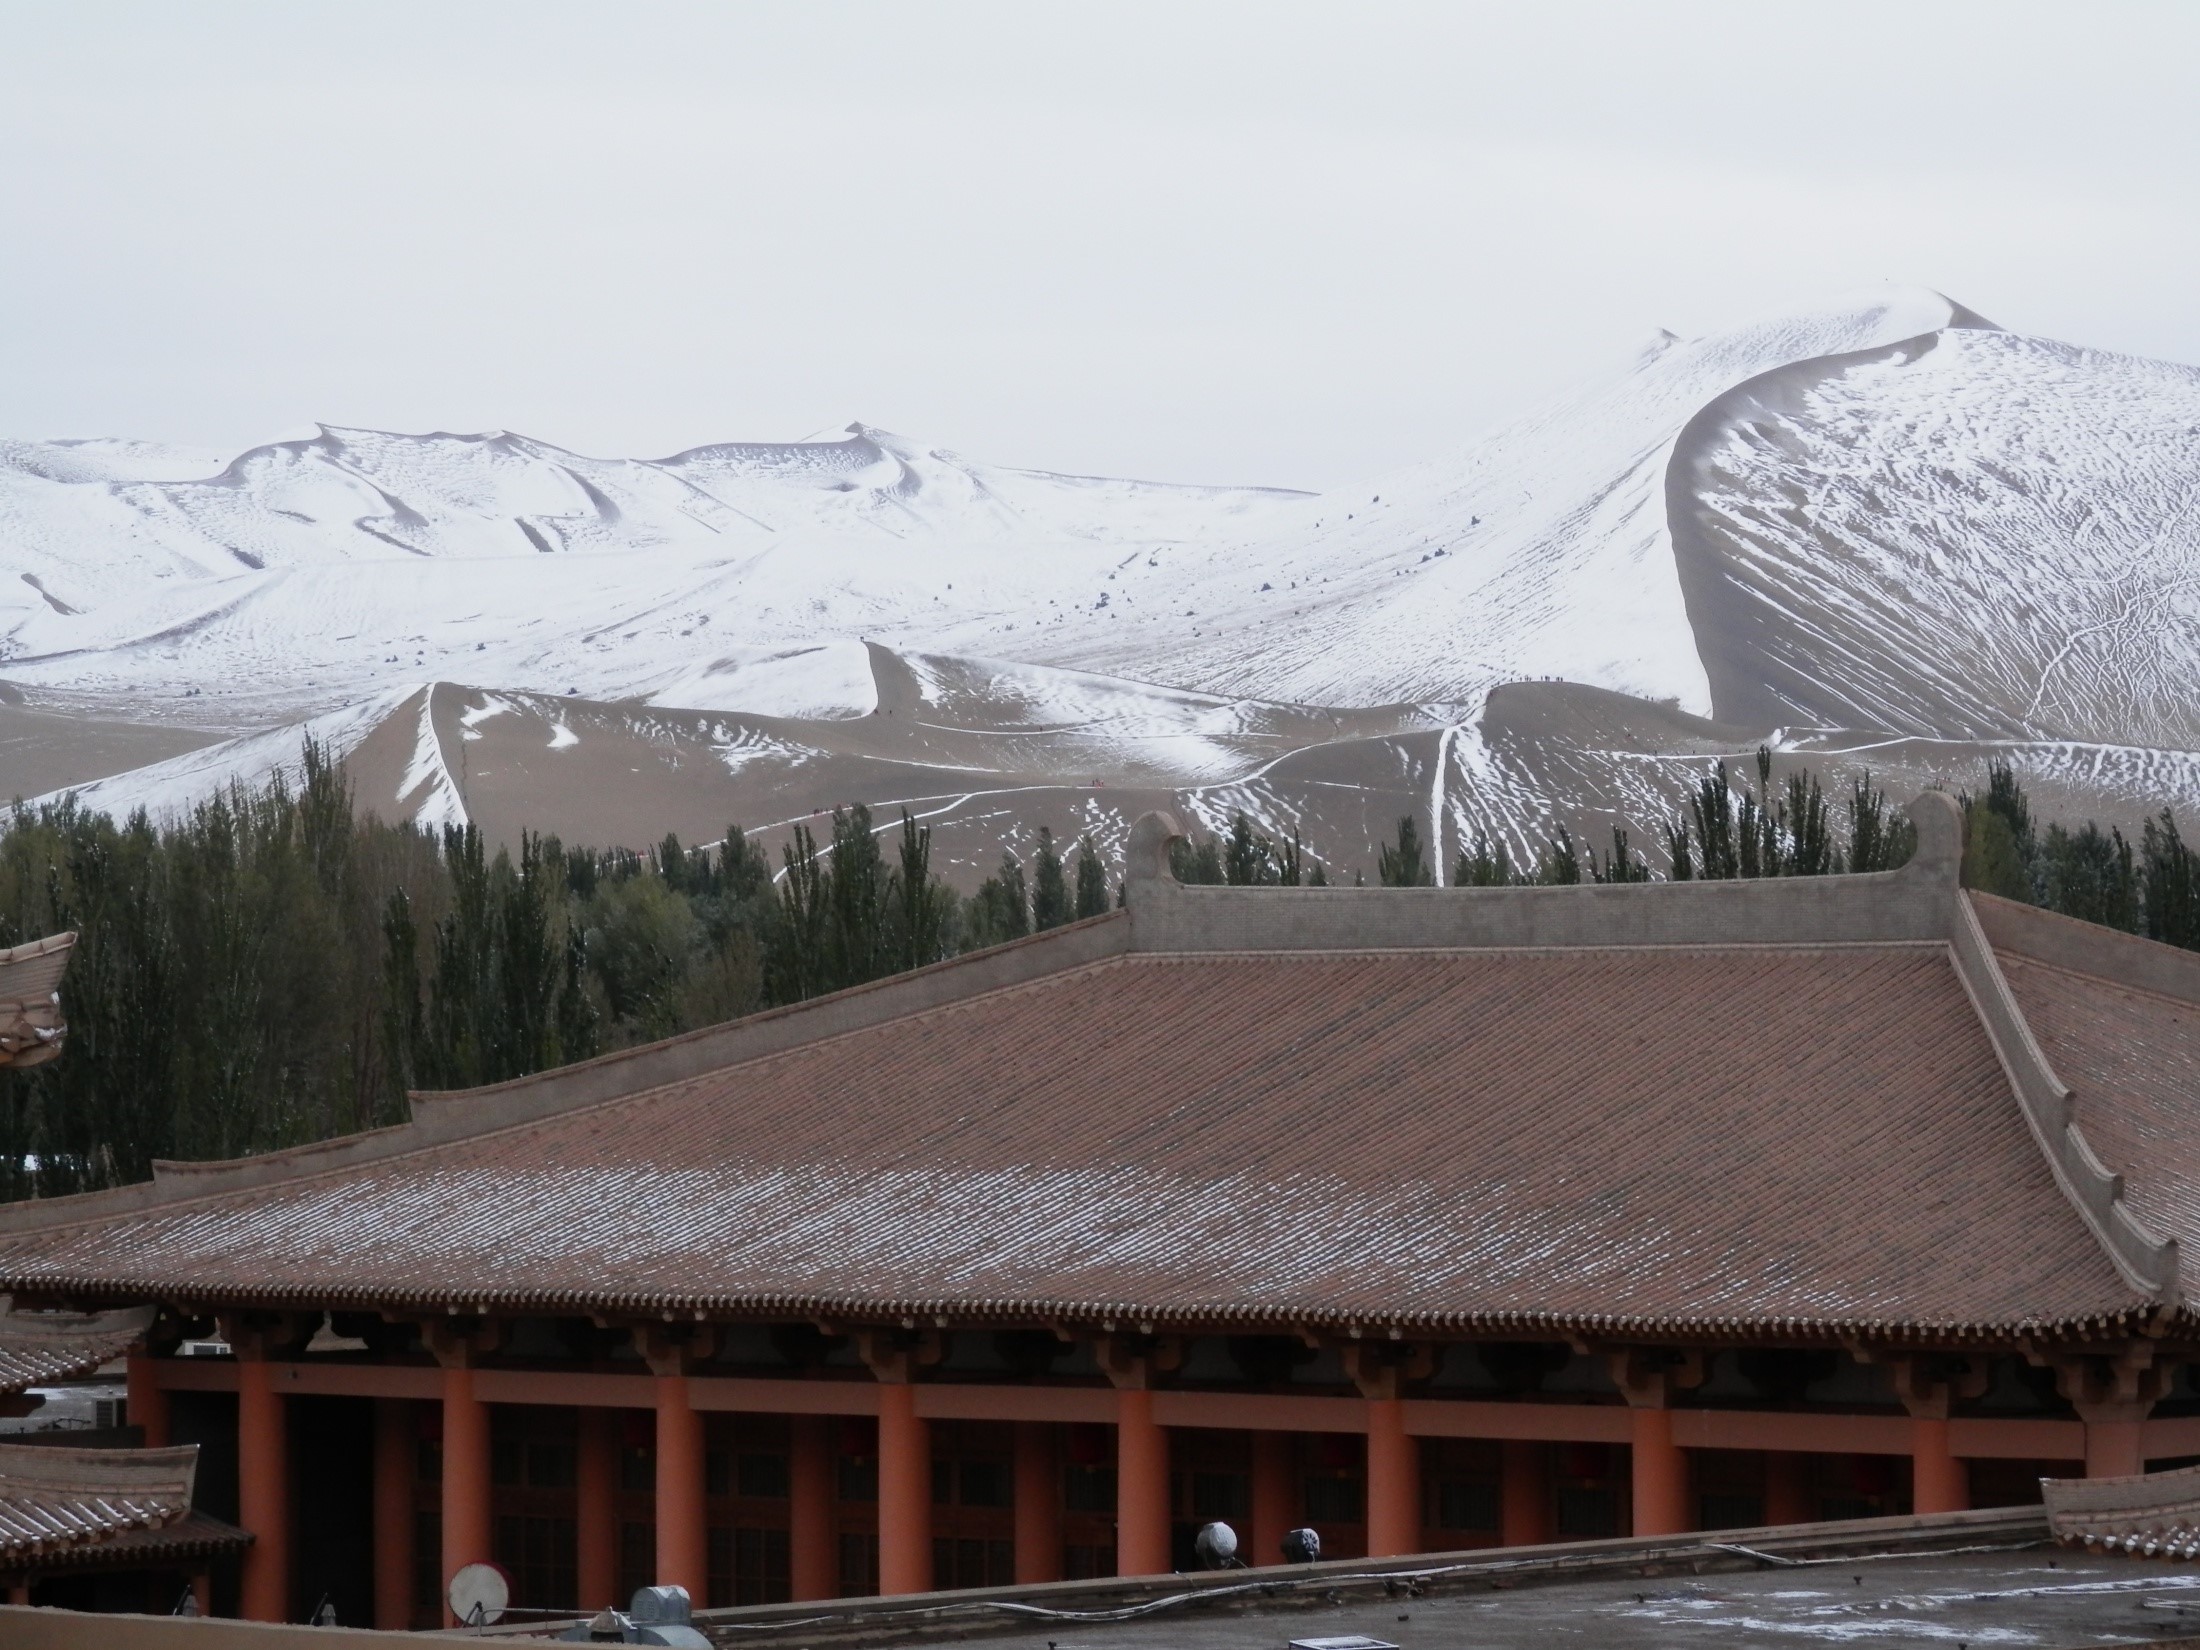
point(1430, 1218)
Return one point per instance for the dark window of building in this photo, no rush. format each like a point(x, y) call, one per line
point(763, 1475)
point(637, 1556)
point(1726, 1511)
point(1333, 1498)
point(986, 1484)
point(1467, 1504)
point(427, 1599)
point(1224, 1495)
point(859, 1480)
point(970, 1562)
point(539, 1555)
point(1085, 1562)
point(1587, 1512)
point(749, 1566)
point(858, 1564)
point(1089, 1489)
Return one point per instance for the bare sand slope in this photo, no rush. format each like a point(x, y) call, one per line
point(43, 751)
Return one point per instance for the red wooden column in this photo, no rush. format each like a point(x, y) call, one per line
point(263, 1485)
point(1928, 1387)
point(1275, 1508)
point(147, 1404)
point(683, 1523)
point(1787, 1487)
point(467, 1507)
point(1660, 1475)
point(2113, 1447)
point(1524, 1491)
point(1141, 1486)
point(904, 1458)
point(393, 1513)
point(1393, 1481)
point(813, 1557)
point(1646, 1376)
point(1380, 1369)
point(1141, 1457)
point(1038, 1501)
point(904, 1491)
point(1939, 1483)
point(596, 1509)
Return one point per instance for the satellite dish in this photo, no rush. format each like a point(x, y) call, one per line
point(479, 1594)
point(1216, 1545)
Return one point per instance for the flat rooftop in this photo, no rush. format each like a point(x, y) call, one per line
point(1985, 1579)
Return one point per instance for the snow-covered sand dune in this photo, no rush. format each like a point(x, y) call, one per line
point(1880, 523)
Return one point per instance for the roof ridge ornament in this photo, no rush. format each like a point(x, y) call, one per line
point(1146, 858)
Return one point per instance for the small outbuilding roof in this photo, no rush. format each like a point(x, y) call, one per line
point(31, 1026)
point(53, 1497)
point(53, 1346)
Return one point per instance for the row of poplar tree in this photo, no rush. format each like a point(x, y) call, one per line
point(275, 967)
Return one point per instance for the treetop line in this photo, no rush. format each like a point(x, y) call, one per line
point(275, 967)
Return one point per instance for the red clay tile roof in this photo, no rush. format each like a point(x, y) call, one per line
point(2146, 1513)
point(51, 1346)
point(54, 1498)
point(2132, 1058)
point(1713, 1138)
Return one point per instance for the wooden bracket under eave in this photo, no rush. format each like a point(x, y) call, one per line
point(460, 1342)
point(1647, 1376)
point(674, 1348)
point(266, 1334)
point(1383, 1369)
point(1130, 1361)
point(895, 1354)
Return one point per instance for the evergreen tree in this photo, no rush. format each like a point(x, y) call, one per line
point(1092, 881)
point(1718, 844)
point(1248, 858)
point(1559, 862)
point(1623, 865)
point(856, 940)
point(1678, 852)
point(1403, 865)
point(925, 907)
point(1197, 862)
point(402, 1025)
point(2172, 884)
point(1050, 900)
point(1880, 838)
point(1484, 865)
point(2090, 875)
point(1000, 910)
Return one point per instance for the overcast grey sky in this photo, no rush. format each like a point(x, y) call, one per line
point(1283, 243)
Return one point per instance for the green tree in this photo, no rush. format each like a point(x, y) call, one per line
point(1403, 864)
point(1092, 881)
point(1050, 900)
point(1485, 864)
point(2172, 884)
point(1559, 862)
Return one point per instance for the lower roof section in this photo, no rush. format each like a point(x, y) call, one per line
point(58, 1499)
point(1811, 1139)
